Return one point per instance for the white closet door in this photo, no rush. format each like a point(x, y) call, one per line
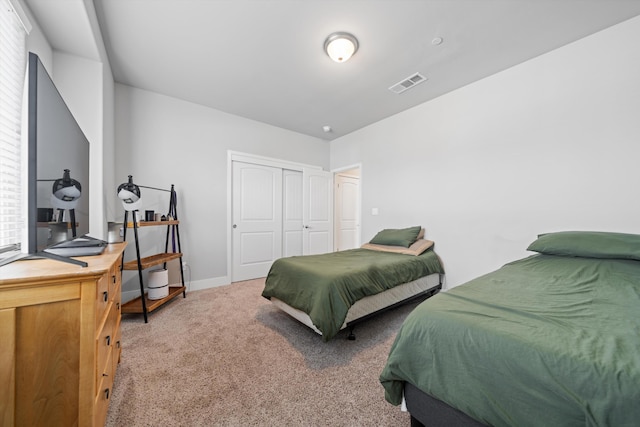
point(291, 213)
point(347, 212)
point(317, 211)
point(257, 219)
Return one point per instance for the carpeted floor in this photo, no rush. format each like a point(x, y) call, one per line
point(226, 357)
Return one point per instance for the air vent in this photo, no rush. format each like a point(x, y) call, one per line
point(408, 83)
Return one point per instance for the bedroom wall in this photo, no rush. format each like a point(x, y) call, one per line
point(551, 144)
point(80, 82)
point(162, 140)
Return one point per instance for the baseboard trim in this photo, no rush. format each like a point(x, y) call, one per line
point(214, 282)
point(197, 285)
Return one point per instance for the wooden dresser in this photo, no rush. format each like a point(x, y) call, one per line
point(59, 340)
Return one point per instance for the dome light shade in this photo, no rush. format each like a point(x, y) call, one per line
point(340, 46)
point(129, 193)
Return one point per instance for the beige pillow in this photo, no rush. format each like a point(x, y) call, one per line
point(418, 247)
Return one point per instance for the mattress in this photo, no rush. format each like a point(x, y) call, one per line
point(547, 331)
point(369, 304)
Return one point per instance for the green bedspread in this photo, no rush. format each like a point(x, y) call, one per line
point(543, 341)
point(326, 286)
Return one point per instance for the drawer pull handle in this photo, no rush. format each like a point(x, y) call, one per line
point(117, 344)
point(105, 296)
point(118, 306)
point(108, 339)
point(114, 279)
point(106, 393)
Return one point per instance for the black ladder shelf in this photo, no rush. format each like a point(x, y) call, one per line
point(143, 304)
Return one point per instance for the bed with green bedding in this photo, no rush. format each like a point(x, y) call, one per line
point(324, 287)
point(549, 340)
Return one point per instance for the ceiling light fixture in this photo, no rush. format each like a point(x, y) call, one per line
point(340, 46)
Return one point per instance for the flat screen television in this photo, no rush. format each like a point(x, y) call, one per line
point(58, 174)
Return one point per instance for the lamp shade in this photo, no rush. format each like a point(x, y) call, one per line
point(341, 46)
point(129, 193)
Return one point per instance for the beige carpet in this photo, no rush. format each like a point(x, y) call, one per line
point(226, 357)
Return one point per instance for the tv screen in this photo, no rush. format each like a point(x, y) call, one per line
point(58, 195)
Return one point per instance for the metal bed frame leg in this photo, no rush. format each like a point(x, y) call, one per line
point(351, 336)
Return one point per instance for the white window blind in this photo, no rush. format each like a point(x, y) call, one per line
point(12, 76)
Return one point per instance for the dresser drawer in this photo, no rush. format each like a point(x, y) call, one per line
point(117, 345)
point(105, 386)
point(115, 280)
point(117, 308)
point(116, 294)
point(105, 342)
point(103, 297)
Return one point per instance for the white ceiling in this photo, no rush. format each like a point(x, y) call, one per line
point(264, 59)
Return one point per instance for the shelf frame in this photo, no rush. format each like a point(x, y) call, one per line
point(142, 304)
point(135, 306)
point(153, 223)
point(152, 260)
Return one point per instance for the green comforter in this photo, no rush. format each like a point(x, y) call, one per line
point(544, 341)
point(326, 286)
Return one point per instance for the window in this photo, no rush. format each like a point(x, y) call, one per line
point(12, 77)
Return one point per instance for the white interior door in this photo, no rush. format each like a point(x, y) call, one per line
point(317, 194)
point(291, 213)
point(257, 219)
point(347, 209)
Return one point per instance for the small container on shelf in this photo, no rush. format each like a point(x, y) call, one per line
point(158, 287)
